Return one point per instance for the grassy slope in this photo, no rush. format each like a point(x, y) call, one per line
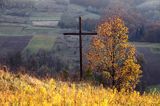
point(46, 16)
point(23, 30)
point(10, 30)
point(41, 42)
point(86, 14)
point(25, 90)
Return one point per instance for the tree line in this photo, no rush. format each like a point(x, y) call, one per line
point(16, 4)
point(41, 64)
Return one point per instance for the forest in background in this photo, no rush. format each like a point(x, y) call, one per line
point(141, 16)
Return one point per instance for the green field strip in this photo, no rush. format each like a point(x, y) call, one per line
point(41, 42)
point(146, 44)
point(154, 47)
point(16, 30)
point(44, 16)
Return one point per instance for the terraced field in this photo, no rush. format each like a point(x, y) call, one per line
point(11, 29)
point(14, 35)
point(44, 37)
point(25, 30)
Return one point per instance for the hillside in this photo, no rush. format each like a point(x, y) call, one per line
point(42, 64)
point(149, 4)
point(151, 55)
point(17, 89)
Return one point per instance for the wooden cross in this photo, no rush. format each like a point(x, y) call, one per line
point(80, 44)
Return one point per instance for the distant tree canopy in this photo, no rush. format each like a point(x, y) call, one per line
point(133, 19)
point(2, 3)
point(111, 55)
point(16, 3)
point(151, 32)
point(105, 3)
point(94, 3)
point(68, 21)
point(44, 59)
point(90, 24)
point(41, 64)
point(139, 16)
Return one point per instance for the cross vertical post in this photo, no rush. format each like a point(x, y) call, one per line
point(80, 47)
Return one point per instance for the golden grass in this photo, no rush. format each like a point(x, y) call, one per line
point(23, 90)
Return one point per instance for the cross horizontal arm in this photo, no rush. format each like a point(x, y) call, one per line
point(86, 33)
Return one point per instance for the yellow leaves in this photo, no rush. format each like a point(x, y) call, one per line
point(111, 52)
point(104, 29)
point(130, 65)
point(28, 89)
point(105, 102)
point(42, 90)
point(52, 84)
point(98, 44)
point(113, 27)
point(106, 75)
point(131, 72)
point(67, 94)
point(109, 45)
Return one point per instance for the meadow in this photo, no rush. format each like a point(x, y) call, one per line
point(11, 29)
point(45, 16)
point(24, 90)
point(41, 42)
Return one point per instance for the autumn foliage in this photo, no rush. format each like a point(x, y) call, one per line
point(111, 55)
point(23, 90)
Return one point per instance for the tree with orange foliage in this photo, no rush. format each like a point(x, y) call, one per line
point(112, 55)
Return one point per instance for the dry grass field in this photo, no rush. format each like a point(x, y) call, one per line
point(24, 90)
